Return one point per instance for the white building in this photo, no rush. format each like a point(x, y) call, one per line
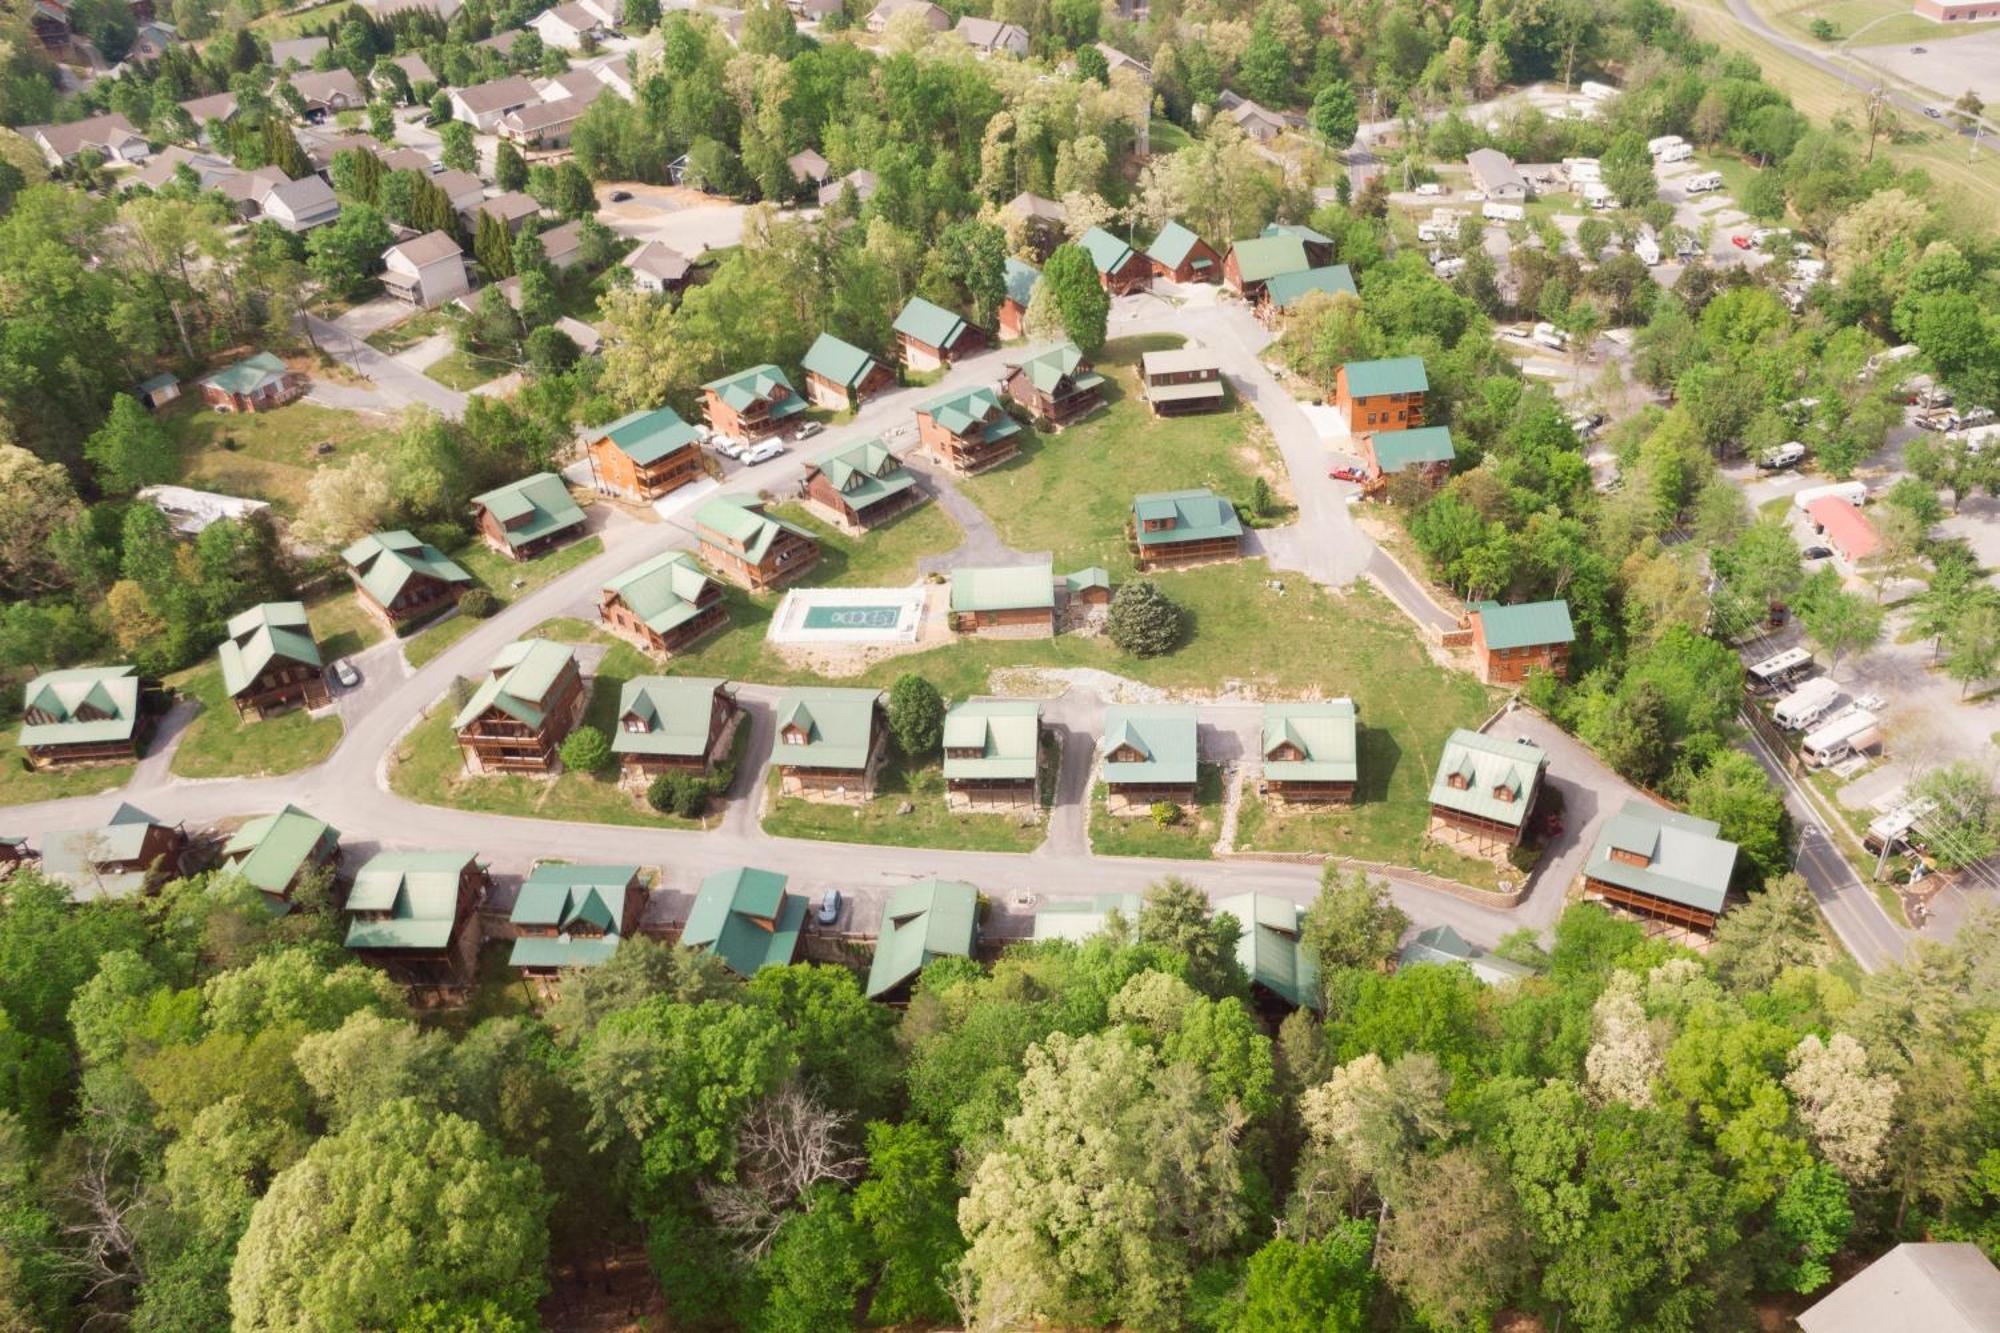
point(426, 271)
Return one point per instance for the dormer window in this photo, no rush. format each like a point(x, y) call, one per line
point(1457, 782)
point(638, 726)
point(1503, 793)
point(794, 736)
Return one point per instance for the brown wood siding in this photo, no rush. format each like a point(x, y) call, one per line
point(1326, 793)
point(495, 742)
point(961, 453)
point(1187, 272)
point(1182, 553)
point(1510, 666)
point(971, 622)
point(282, 686)
point(712, 614)
point(1647, 905)
point(617, 474)
point(790, 557)
point(1134, 275)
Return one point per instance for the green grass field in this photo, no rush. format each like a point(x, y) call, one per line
point(219, 744)
point(407, 334)
point(341, 625)
point(465, 371)
point(884, 557)
point(268, 455)
point(930, 824)
point(20, 785)
point(1193, 839)
point(1163, 137)
point(505, 579)
point(1377, 829)
point(1892, 19)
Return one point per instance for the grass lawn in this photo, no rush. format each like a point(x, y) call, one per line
point(342, 625)
point(401, 337)
point(1163, 137)
point(219, 744)
point(931, 824)
point(465, 371)
point(1070, 493)
point(1189, 840)
point(268, 455)
point(1894, 22)
point(20, 785)
point(883, 557)
point(505, 579)
point(1376, 831)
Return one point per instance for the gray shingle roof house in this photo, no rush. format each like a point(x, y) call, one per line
point(1940, 1287)
point(1495, 174)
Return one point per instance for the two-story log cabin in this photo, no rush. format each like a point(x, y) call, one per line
point(1382, 395)
point(1183, 528)
point(531, 698)
point(1510, 641)
point(574, 916)
point(1056, 384)
point(1013, 316)
point(132, 854)
point(992, 755)
point(1662, 864)
point(1484, 791)
point(665, 604)
point(749, 547)
point(85, 715)
point(751, 404)
point(743, 916)
point(1120, 269)
point(1250, 264)
point(968, 431)
point(270, 663)
point(840, 376)
point(1183, 381)
point(672, 724)
point(1149, 755)
point(1178, 255)
point(273, 852)
point(1426, 452)
point(645, 455)
point(830, 743)
point(1310, 752)
point(931, 337)
point(402, 580)
point(861, 486)
point(416, 915)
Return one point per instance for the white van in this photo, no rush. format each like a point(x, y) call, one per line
point(1675, 152)
point(1807, 704)
point(1548, 335)
point(1854, 492)
point(1430, 233)
point(1850, 733)
point(1702, 184)
point(1503, 212)
point(1430, 188)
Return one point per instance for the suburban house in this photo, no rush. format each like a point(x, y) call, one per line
point(921, 922)
point(1425, 452)
point(1846, 529)
point(529, 517)
point(1014, 601)
point(1056, 384)
point(1930, 1287)
point(645, 455)
point(830, 742)
point(861, 485)
point(427, 270)
point(254, 384)
point(414, 68)
point(415, 915)
point(809, 169)
point(1147, 755)
point(749, 547)
point(1288, 289)
point(751, 403)
point(163, 168)
point(743, 916)
point(878, 18)
point(483, 104)
point(573, 916)
point(1181, 527)
point(131, 854)
point(1483, 791)
point(1661, 864)
point(328, 92)
point(862, 182)
point(1511, 641)
point(84, 715)
point(157, 391)
point(1044, 222)
point(151, 40)
point(272, 852)
point(403, 580)
point(568, 26)
point(658, 268)
point(1013, 316)
point(1119, 267)
point(285, 50)
point(300, 205)
point(931, 336)
point(666, 603)
point(672, 724)
point(562, 244)
point(840, 376)
point(992, 752)
point(1381, 395)
point(219, 107)
point(1272, 948)
point(530, 699)
point(1260, 124)
point(1251, 264)
point(969, 431)
point(814, 11)
point(990, 37)
point(550, 122)
point(110, 136)
point(1182, 381)
point(270, 663)
point(1443, 946)
point(512, 209)
point(1115, 60)
point(1310, 752)
point(1178, 255)
point(1495, 175)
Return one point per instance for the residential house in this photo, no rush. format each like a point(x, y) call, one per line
point(1511, 641)
point(1310, 752)
point(830, 742)
point(49, 20)
point(483, 104)
point(751, 403)
point(527, 703)
point(426, 270)
point(1425, 452)
point(273, 852)
point(270, 663)
point(1318, 245)
point(810, 171)
point(220, 107)
point(1484, 791)
point(1045, 221)
point(673, 724)
point(402, 580)
point(1661, 864)
point(526, 518)
point(1056, 384)
point(1021, 279)
point(1178, 255)
point(151, 40)
point(1928, 1287)
point(110, 136)
point(1272, 948)
point(878, 19)
point(666, 603)
point(255, 384)
point(1251, 264)
point(131, 854)
point(512, 208)
point(569, 27)
point(860, 181)
point(658, 268)
point(405, 159)
point(1015, 601)
point(861, 485)
point(562, 244)
point(300, 205)
point(248, 190)
point(1286, 290)
point(743, 916)
point(84, 715)
point(415, 69)
point(157, 391)
point(815, 11)
point(191, 513)
point(645, 455)
point(990, 37)
point(1115, 60)
point(573, 916)
point(1381, 395)
point(328, 92)
point(1183, 381)
point(922, 922)
point(749, 547)
point(549, 122)
point(1495, 175)
point(285, 50)
point(462, 188)
point(1120, 268)
point(1261, 125)
point(992, 755)
point(968, 431)
point(1846, 529)
point(931, 337)
point(1182, 527)
point(1445, 947)
point(1149, 755)
point(415, 915)
point(1089, 587)
point(501, 43)
point(840, 376)
point(1086, 918)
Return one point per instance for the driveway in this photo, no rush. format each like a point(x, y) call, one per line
point(400, 385)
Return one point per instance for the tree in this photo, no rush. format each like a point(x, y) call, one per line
point(1320, 1286)
point(1336, 116)
point(1734, 791)
point(574, 196)
point(510, 169)
point(907, 1202)
point(41, 501)
point(346, 501)
point(1142, 621)
point(1848, 1111)
point(1778, 928)
point(459, 154)
point(585, 750)
point(1963, 829)
point(1972, 645)
point(131, 449)
point(1841, 622)
point(1353, 922)
point(1456, 1245)
point(1813, 1215)
point(1623, 1059)
point(1076, 298)
point(916, 716)
point(342, 254)
point(1178, 916)
point(493, 247)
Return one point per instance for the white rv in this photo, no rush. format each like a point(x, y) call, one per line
point(1702, 184)
point(1663, 143)
point(1775, 673)
point(1674, 152)
point(1789, 454)
point(1581, 169)
point(1597, 92)
point(1503, 212)
point(1806, 705)
point(1598, 195)
point(1854, 492)
point(1548, 335)
point(1647, 248)
point(1850, 733)
point(1448, 267)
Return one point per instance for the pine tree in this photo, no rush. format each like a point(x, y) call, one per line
point(493, 248)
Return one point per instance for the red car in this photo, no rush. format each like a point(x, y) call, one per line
point(1740, 242)
point(1347, 474)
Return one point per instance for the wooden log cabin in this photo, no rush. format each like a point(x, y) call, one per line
point(1013, 316)
point(1056, 385)
point(1120, 269)
point(969, 431)
point(416, 915)
point(749, 547)
point(1178, 255)
point(992, 754)
point(672, 724)
point(270, 663)
point(1662, 864)
point(1318, 247)
point(1149, 755)
point(529, 517)
point(273, 852)
point(645, 455)
point(840, 376)
point(921, 922)
point(1017, 601)
point(515, 721)
point(1284, 293)
point(1250, 264)
point(1183, 528)
point(743, 916)
point(254, 384)
point(81, 716)
point(830, 743)
point(861, 486)
point(1310, 752)
point(402, 580)
point(1484, 792)
point(130, 855)
point(1283, 972)
point(666, 604)
point(751, 404)
point(568, 916)
point(1381, 395)
point(1426, 453)
point(931, 337)
point(1183, 381)
point(1508, 642)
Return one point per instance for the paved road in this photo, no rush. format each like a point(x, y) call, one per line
point(397, 382)
point(1743, 13)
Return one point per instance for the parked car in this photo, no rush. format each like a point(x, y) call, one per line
point(829, 907)
point(1430, 188)
point(806, 431)
point(726, 446)
point(1818, 553)
point(345, 674)
point(1919, 51)
point(620, 196)
point(763, 453)
point(1346, 474)
point(1933, 113)
point(1740, 242)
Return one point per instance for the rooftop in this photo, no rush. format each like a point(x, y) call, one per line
point(1443, 945)
point(1269, 947)
point(418, 890)
point(1686, 862)
point(1323, 735)
point(271, 850)
point(1287, 289)
point(931, 325)
point(1196, 515)
point(1398, 449)
point(271, 632)
point(1160, 743)
point(675, 710)
point(1396, 374)
point(744, 523)
point(933, 918)
point(532, 508)
point(89, 705)
point(866, 473)
point(842, 362)
point(647, 437)
point(836, 727)
point(385, 561)
point(744, 917)
point(1005, 732)
point(1525, 624)
point(518, 682)
point(1486, 764)
point(1009, 588)
point(1267, 257)
point(1172, 245)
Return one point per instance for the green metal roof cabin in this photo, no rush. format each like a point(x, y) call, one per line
point(1426, 446)
point(1021, 278)
point(1191, 524)
point(1395, 374)
point(1441, 945)
point(1526, 624)
point(1271, 949)
point(744, 917)
point(91, 708)
point(931, 919)
point(828, 727)
point(664, 593)
point(1252, 263)
point(272, 851)
point(976, 589)
point(1662, 863)
point(841, 362)
point(114, 860)
point(1171, 248)
point(407, 901)
point(929, 323)
point(1486, 785)
point(1086, 917)
point(1309, 748)
point(572, 915)
point(677, 712)
point(863, 483)
point(648, 436)
point(749, 527)
point(527, 517)
point(992, 740)
point(271, 631)
point(385, 564)
point(1150, 746)
point(518, 682)
point(1288, 289)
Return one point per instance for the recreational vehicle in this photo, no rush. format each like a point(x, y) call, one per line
point(1493, 212)
point(1854, 492)
point(1702, 184)
point(1789, 454)
point(1674, 152)
point(1806, 705)
point(1777, 673)
point(1663, 143)
point(1850, 733)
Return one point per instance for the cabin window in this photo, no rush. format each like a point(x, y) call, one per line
point(638, 726)
point(794, 736)
point(1457, 782)
point(1504, 794)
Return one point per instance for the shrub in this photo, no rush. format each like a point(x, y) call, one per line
point(684, 794)
point(478, 603)
point(1143, 622)
point(1166, 814)
point(585, 750)
point(1262, 502)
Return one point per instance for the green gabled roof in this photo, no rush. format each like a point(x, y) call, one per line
point(1106, 251)
point(1324, 730)
point(1289, 288)
point(271, 850)
point(980, 409)
point(1686, 862)
point(1443, 945)
point(1165, 738)
point(164, 380)
point(1021, 279)
point(385, 561)
point(663, 592)
point(73, 855)
point(934, 918)
point(561, 951)
point(647, 437)
point(1268, 256)
point(677, 711)
point(274, 631)
point(420, 892)
point(842, 362)
point(1398, 449)
point(1298, 230)
point(744, 917)
point(1269, 947)
point(564, 896)
point(1396, 374)
point(112, 691)
point(519, 682)
point(1525, 624)
point(248, 375)
point(1006, 732)
point(1487, 763)
point(931, 325)
point(745, 523)
point(1096, 576)
point(1047, 368)
point(1083, 919)
point(532, 508)
point(746, 388)
point(1171, 246)
point(866, 473)
point(838, 724)
point(1012, 588)
point(1198, 515)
